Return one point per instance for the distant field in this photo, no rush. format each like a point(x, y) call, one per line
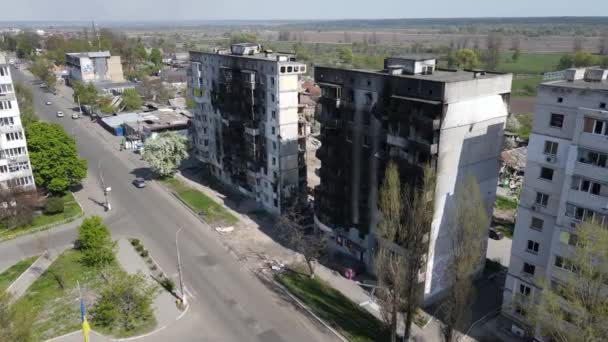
point(525, 86)
point(530, 63)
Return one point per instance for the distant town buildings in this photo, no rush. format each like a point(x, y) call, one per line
point(15, 167)
point(566, 182)
point(414, 114)
point(247, 130)
point(94, 67)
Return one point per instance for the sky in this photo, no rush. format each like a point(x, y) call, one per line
point(171, 10)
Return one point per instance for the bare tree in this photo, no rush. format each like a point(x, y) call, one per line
point(494, 45)
point(467, 231)
point(577, 44)
point(603, 43)
point(405, 221)
point(300, 237)
point(17, 207)
point(575, 308)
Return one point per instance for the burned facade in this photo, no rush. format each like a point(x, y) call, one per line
point(246, 125)
point(413, 114)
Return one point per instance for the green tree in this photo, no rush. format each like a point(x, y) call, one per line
point(96, 243)
point(54, 157)
point(516, 55)
point(166, 152)
point(43, 70)
point(345, 55)
point(468, 231)
point(302, 53)
point(578, 59)
point(140, 52)
point(575, 309)
point(236, 38)
point(15, 323)
point(126, 304)
point(85, 94)
point(155, 57)
point(466, 59)
point(26, 44)
point(131, 100)
point(25, 99)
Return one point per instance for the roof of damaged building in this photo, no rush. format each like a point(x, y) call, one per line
point(515, 158)
point(161, 119)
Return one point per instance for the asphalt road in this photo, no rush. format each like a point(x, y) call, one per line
point(228, 303)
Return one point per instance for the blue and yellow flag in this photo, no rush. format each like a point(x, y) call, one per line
point(85, 325)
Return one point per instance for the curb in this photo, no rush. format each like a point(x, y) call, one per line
point(302, 305)
point(8, 289)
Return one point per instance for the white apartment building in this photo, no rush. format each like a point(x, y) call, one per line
point(246, 128)
point(566, 181)
point(15, 168)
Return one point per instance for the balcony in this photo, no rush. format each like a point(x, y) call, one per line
point(587, 170)
point(252, 131)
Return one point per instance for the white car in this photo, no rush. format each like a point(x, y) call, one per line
point(48, 103)
point(59, 114)
point(75, 115)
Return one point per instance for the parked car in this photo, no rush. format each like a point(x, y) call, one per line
point(139, 183)
point(495, 234)
point(48, 103)
point(59, 114)
point(75, 115)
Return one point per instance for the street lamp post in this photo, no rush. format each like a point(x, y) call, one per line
point(106, 189)
point(179, 268)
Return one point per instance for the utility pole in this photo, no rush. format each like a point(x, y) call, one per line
point(106, 190)
point(179, 268)
point(79, 106)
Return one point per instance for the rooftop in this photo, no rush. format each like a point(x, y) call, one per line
point(578, 84)
point(592, 78)
point(439, 75)
point(93, 54)
point(249, 50)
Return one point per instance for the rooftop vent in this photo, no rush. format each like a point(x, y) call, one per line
point(572, 75)
point(595, 75)
point(395, 69)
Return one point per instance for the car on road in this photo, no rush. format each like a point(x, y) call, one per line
point(59, 114)
point(48, 103)
point(75, 115)
point(139, 182)
point(495, 234)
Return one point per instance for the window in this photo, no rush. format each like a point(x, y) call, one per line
point(524, 289)
point(6, 105)
point(276, 203)
point(274, 161)
point(551, 147)
point(529, 268)
point(368, 98)
point(533, 247)
point(9, 121)
point(6, 88)
point(520, 310)
point(3, 169)
point(586, 185)
point(603, 105)
point(274, 114)
point(595, 126)
point(289, 69)
point(592, 157)
point(580, 214)
point(568, 238)
point(272, 80)
point(560, 100)
point(349, 134)
point(274, 145)
point(542, 199)
point(14, 136)
point(536, 223)
point(282, 70)
point(565, 264)
point(3, 71)
point(557, 120)
point(546, 173)
point(366, 140)
point(274, 174)
point(273, 130)
point(206, 142)
point(272, 98)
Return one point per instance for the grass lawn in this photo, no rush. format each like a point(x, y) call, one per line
point(505, 203)
point(525, 125)
point(56, 311)
point(529, 63)
point(329, 304)
point(525, 85)
point(210, 210)
point(12, 273)
point(72, 211)
point(506, 229)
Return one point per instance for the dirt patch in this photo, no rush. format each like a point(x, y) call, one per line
point(522, 105)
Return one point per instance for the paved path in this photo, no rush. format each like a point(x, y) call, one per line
point(27, 278)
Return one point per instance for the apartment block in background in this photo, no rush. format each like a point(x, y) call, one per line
point(97, 66)
point(247, 130)
point(566, 182)
point(415, 114)
point(15, 168)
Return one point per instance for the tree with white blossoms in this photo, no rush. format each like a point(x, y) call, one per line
point(165, 153)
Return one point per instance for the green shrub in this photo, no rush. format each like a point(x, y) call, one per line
point(135, 242)
point(95, 242)
point(168, 284)
point(54, 205)
point(144, 253)
point(153, 267)
point(139, 248)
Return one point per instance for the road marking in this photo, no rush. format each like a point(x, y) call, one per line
point(188, 293)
